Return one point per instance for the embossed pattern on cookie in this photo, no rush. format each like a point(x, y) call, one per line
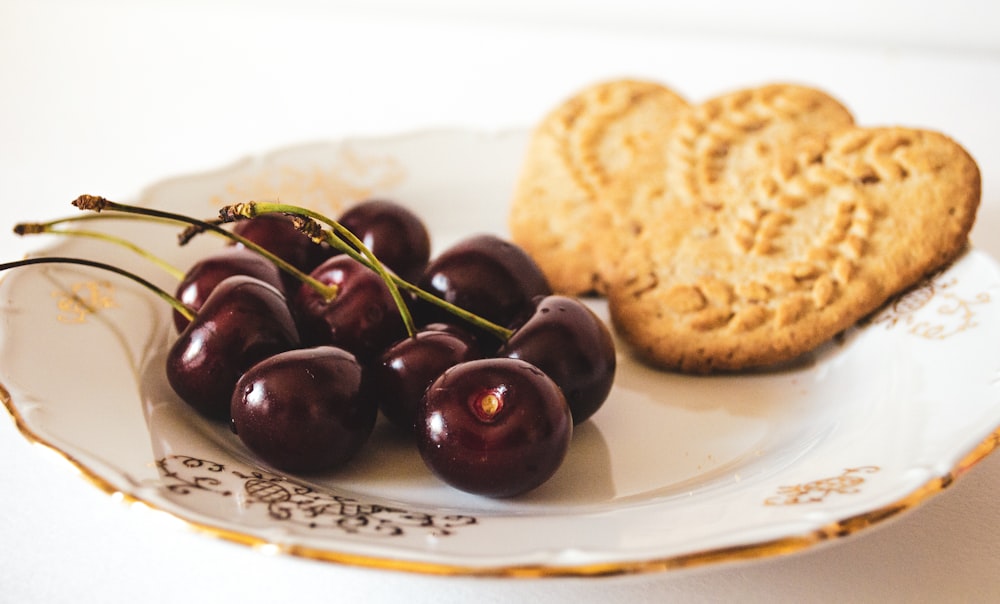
point(810, 237)
point(586, 162)
point(740, 232)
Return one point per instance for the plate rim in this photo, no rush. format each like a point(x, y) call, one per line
point(790, 544)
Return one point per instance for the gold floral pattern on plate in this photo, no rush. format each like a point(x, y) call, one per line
point(83, 299)
point(290, 502)
point(350, 176)
point(847, 482)
point(954, 313)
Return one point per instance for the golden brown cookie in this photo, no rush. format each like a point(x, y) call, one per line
point(741, 232)
point(585, 163)
point(781, 225)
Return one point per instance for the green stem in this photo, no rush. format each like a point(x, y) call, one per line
point(253, 208)
point(183, 238)
point(99, 204)
point(498, 330)
point(163, 294)
point(256, 208)
point(28, 228)
point(105, 217)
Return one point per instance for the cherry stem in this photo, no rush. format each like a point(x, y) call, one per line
point(163, 294)
point(99, 204)
point(37, 228)
point(344, 243)
point(182, 238)
point(308, 225)
point(105, 217)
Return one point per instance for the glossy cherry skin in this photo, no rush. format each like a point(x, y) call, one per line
point(573, 346)
point(278, 234)
point(486, 275)
point(494, 427)
point(205, 274)
point(242, 322)
point(362, 319)
point(402, 373)
point(305, 410)
point(462, 331)
point(393, 233)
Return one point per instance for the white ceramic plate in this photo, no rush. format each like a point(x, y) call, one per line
point(674, 471)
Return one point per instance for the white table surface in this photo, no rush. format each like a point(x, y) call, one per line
point(109, 97)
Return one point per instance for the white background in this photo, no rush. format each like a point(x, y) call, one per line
point(109, 97)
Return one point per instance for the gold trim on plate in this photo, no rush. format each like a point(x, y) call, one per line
point(751, 551)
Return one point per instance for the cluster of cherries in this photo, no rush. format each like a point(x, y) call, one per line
point(300, 335)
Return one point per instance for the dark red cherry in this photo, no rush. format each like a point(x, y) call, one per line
point(401, 375)
point(304, 410)
point(394, 234)
point(485, 275)
point(461, 330)
point(495, 427)
point(362, 319)
point(205, 274)
point(573, 346)
point(242, 322)
point(278, 234)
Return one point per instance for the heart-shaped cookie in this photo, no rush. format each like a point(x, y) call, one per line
point(773, 224)
point(573, 204)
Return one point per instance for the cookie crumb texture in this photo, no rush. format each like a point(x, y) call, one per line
point(765, 223)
